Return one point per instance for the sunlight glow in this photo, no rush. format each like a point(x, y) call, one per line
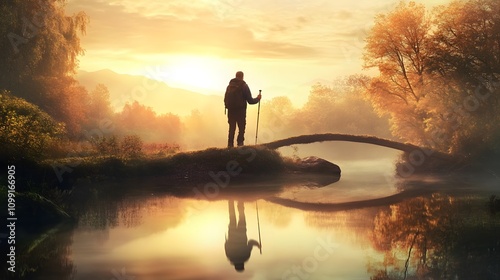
point(195, 73)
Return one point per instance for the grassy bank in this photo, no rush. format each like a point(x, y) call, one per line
point(186, 166)
point(52, 181)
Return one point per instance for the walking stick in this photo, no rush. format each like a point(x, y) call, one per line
point(258, 226)
point(258, 114)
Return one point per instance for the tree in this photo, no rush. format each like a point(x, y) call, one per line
point(99, 106)
point(141, 120)
point(65, 100)
point(39, 57)
point(276, 115)
point(199, 130)
point(465, 62)
point(396, 45)
point(168, 128)
point(439, 75)
point(340, 107)
point(42, 41)
point(136, 118)
point(315, 115)
point(466, 42)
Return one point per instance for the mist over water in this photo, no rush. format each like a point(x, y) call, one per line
point(368, 171)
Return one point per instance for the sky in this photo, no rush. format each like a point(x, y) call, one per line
point(283, 46)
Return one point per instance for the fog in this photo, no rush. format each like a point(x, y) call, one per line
point(328, 110)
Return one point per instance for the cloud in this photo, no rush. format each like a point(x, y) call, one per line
point(344, 15)
point(285, 35)
point(135, 29)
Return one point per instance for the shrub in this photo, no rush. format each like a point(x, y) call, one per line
point(25, 130)
point(161, 149)
point(108, 146)
point(131, 146)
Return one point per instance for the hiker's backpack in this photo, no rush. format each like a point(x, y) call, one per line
point(233, 99)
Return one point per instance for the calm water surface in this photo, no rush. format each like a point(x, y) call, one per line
point(445, 232)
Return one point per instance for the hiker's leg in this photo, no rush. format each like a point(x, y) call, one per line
point(241, 127)
point(231, 120)
point(232, 213)
point(242, 223)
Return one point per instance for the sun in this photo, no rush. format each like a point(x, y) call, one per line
point(194, 73)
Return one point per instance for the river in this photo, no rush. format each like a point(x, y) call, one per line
point(446, 230)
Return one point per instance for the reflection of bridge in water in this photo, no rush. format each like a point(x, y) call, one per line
point(349, 205)
point(413, 150)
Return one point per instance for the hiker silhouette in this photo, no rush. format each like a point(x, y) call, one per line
point(235, 100)
point(238, 247)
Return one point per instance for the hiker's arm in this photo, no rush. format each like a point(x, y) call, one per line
point(248, 95)
point(225, 96)
point(252, 242)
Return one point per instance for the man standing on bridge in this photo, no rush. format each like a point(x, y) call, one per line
point(235, 100)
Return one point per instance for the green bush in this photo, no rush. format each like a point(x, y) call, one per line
point(25, 130)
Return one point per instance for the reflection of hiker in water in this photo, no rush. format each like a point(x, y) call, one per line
point(238, 247)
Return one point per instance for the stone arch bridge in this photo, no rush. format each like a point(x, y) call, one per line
point(412, 150)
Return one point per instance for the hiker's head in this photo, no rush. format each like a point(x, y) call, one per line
point(239, 75)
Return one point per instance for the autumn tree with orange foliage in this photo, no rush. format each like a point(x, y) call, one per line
point(137, 119)
point(338, 108)
point(99, 106)
point(439, 74)
point(465, 64)
point(39, 57)
point(397, 47)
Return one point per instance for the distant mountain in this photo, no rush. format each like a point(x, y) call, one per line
point(155, 94)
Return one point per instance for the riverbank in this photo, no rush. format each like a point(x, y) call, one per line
point(180, 168)
point(46, 189)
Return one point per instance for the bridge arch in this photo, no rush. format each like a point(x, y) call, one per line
point(313, 138)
